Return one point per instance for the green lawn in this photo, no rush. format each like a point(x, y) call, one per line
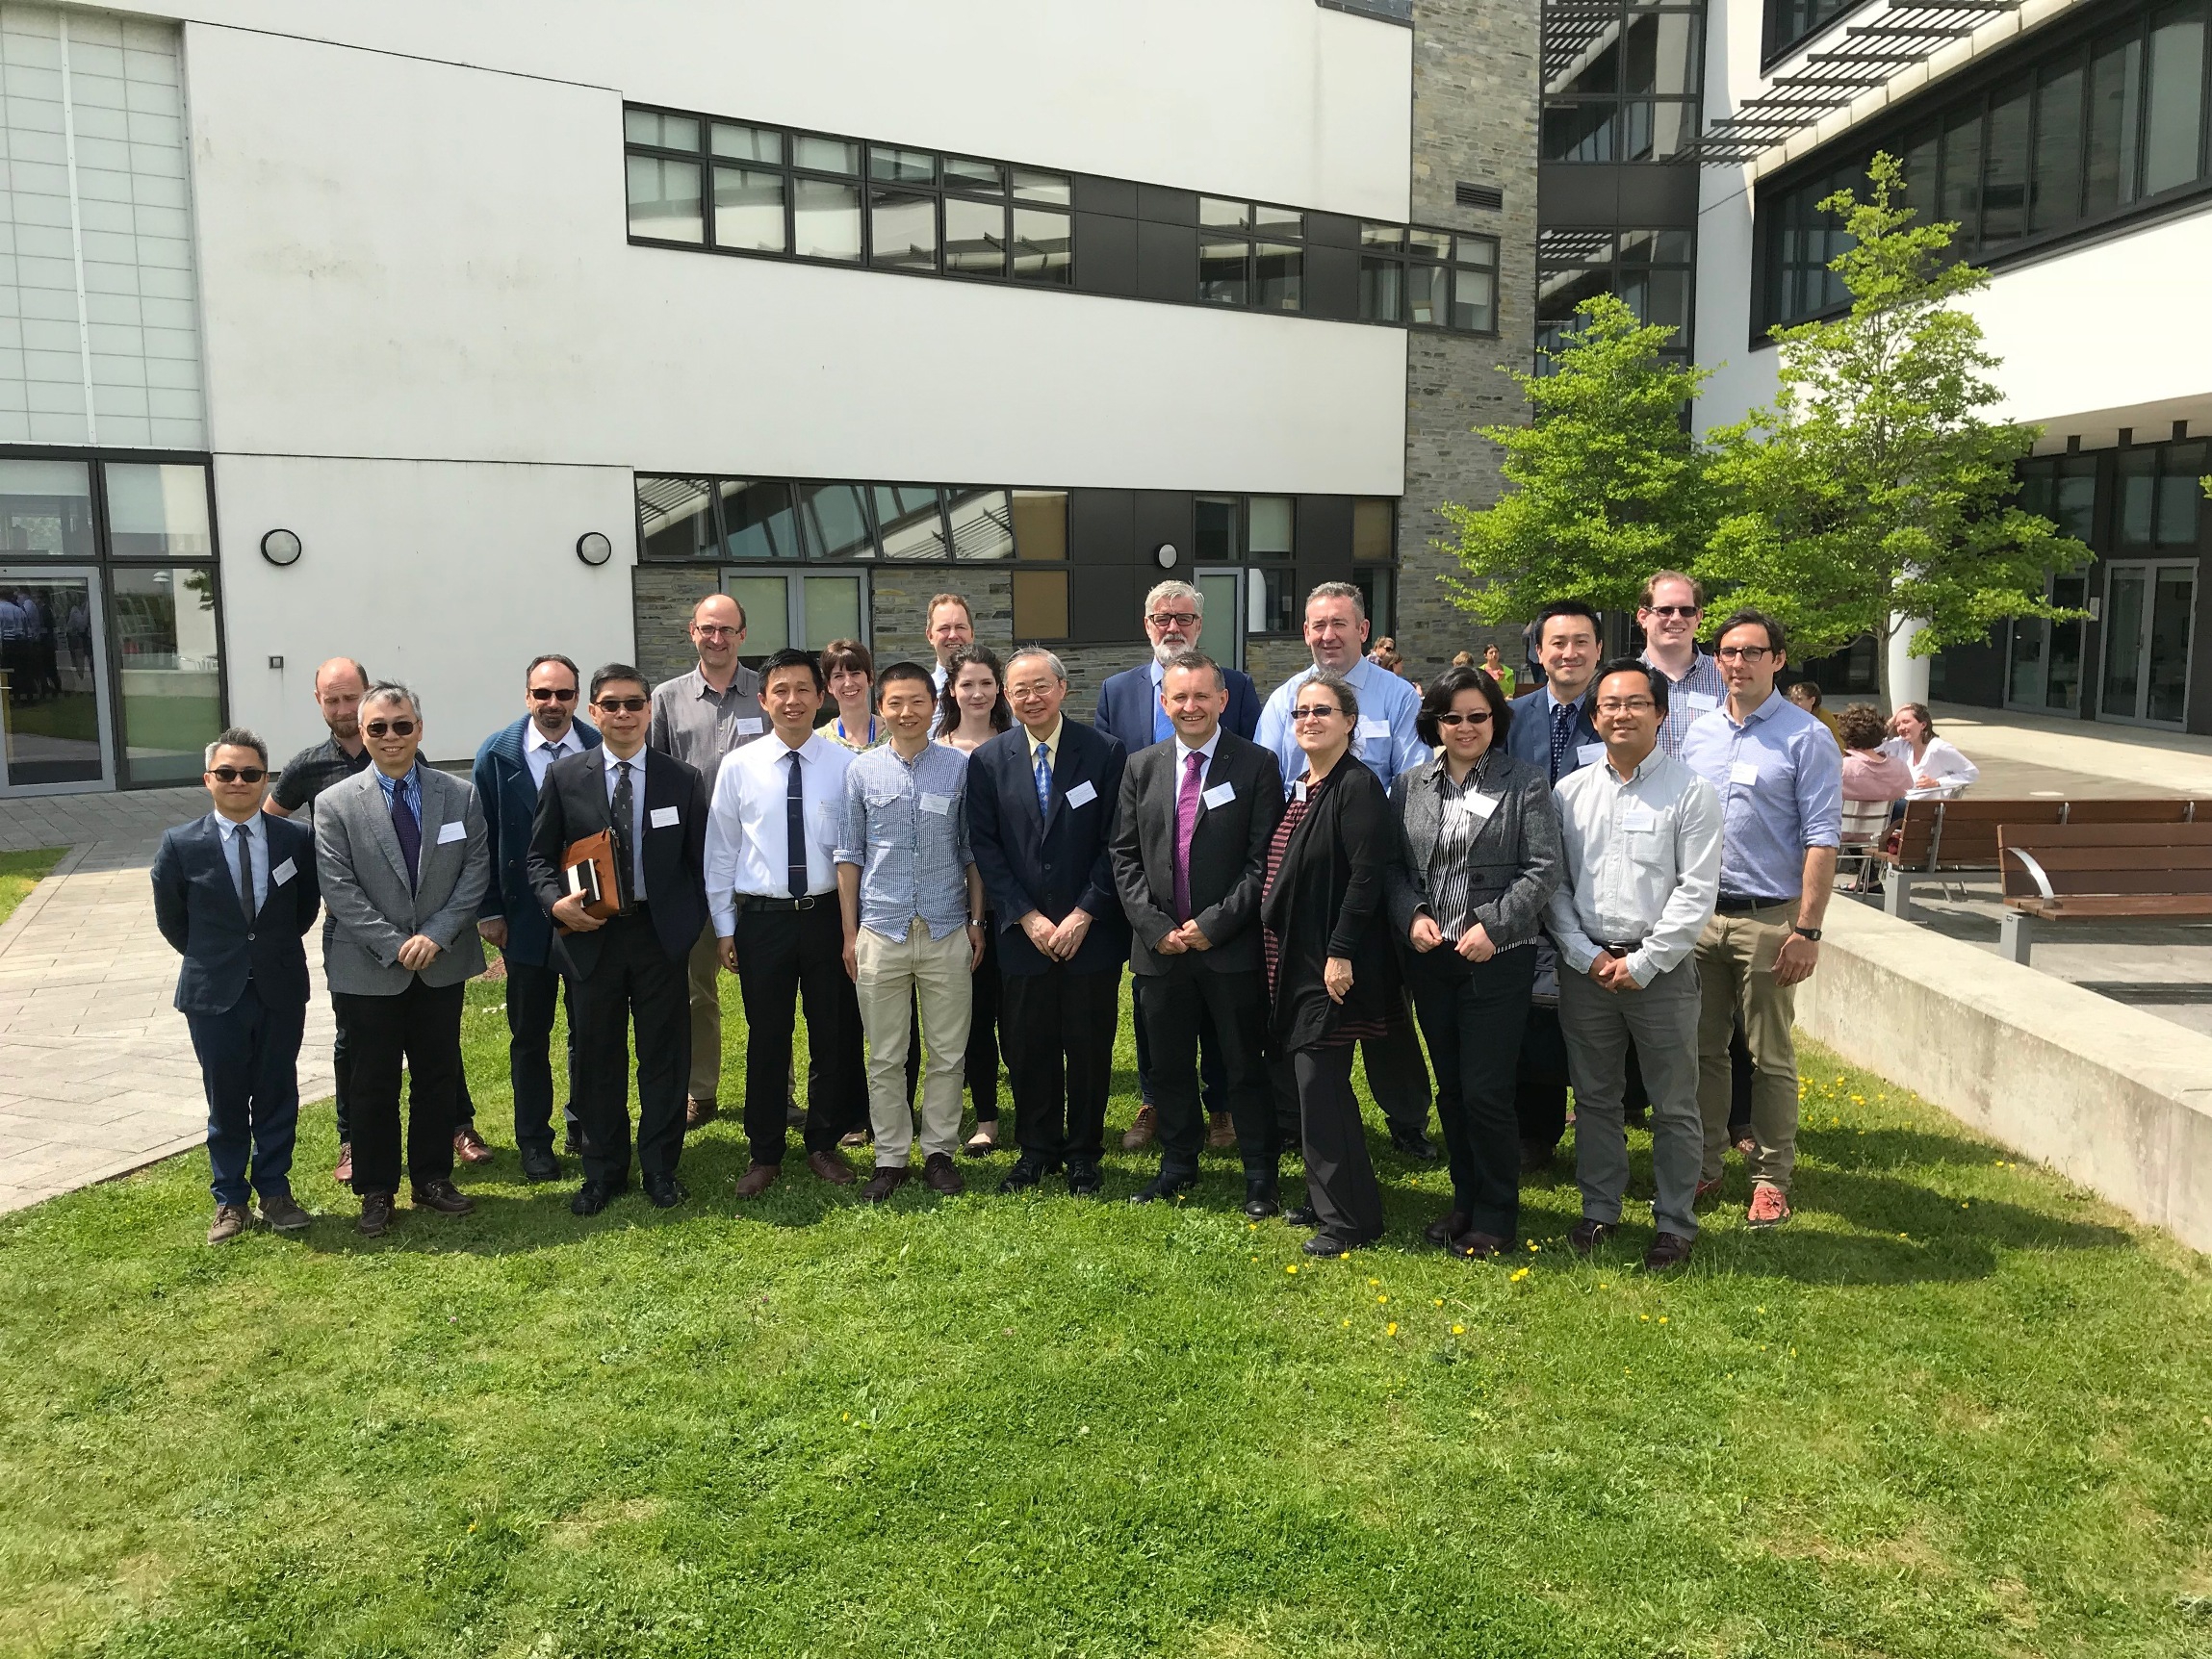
point(20, 871)
point(1956, 1408)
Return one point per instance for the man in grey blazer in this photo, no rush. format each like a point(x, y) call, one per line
point(403, 859)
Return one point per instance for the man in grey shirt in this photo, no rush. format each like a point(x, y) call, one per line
point(1642, 836)
point(699, 718)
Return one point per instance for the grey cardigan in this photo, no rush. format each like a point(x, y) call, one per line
point(1516, 852)
point(365, 888)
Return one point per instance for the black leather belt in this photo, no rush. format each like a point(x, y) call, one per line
point(1737, 904)
point(755, 903)
point(1613, 950)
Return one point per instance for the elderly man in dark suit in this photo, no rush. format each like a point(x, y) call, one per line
point(404, 864)
point(629, 967)
point(510, 769)
point(1189, 854)
point(235, 892)
point(1040, 805)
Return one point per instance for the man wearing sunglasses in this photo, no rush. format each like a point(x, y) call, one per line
point(235, 892)
point(509, 772)
point(1669, 611)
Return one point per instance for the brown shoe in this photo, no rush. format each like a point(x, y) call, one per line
point(939, 1176)
point(1221, 1131)
point(282, 1212)
point(888, 1179)
point(230, 1220)
point(1668, 1251)
point(468, 1146)
point(376, 1214)
point(1142, 1129)
point(758, 1179)
point(1446, 1228)
point(342, 1173)
point(856, 1138)
point(697, 1111)
point(831, 1169)
point(444, 1197)
point(1589, 1235)
point(1478, 1246)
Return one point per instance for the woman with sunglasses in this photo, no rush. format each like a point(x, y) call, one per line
point(972, 711)
point(1330, 977)
point(1482, 856)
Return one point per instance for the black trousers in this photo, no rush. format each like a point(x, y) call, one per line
point(1339, 1176)
point(1060, 1054)
point(532, 996)
point(1213, 1076)
point(341, 1073)
point(983, 1036)
point(636, 983)
point(1474, 1015)
point(423, 1025)
point(786, 959)
point(1169, 1004)
point(1397, 1078)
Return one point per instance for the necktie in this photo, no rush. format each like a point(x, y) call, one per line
point(1563, 735)
point(795, 831)
point(625, 870)
point(245, 873)
point(1044, 778)
point(408, 828)
point(1186, 823)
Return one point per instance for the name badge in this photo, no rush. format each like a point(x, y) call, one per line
point(1219, 794)
point(1298, 790)
point(1590, 753)
point(1082, 795)
point(1743, 772)
point(1479, 805)
point(939, 805)
point(451, 832)
point(1639, 817)
point(283, 873)
point(749, 725)
point(661, 817)
point(1371, 729)
point(1702, 701)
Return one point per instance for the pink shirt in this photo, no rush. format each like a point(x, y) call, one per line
point(1873, 776)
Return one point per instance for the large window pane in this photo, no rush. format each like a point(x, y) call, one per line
point(2137, 478)
point(1044, 190)
point(1215, 213)
point(982, 523)
point(974, 237)
point(1278, 271)
point(1040, 604)
point(2179, 496)
point(1270, 518)
point(1271, 600)
point(833, 609)
point(826, 221)
point(2172, 612)
point(1662, 57)
point(1474, 300)
point(2054, 197)
point(1222, 273)
point(1963, 175)
point(910, 522)
point(47, 507)
point(747, 143)
point(675, 519)
point(1371, 525)
point(2005, 164)
point(837, 521)
point(2176, 97)
point(826, 155)
point(1040, 525)
point(49, 682)
point(756, 519)
point(1216, 527)
point(1278, 221)
point(902, 230)
point(665, 201)
point(987, 178)
point(1579, 131)
point(1921, 150)
point(169, 671)
point(749, 210)
point(2074, 496)
point(1424, 294)
point(1044, 246)
point(1381, 291)
point(664, 132)
point(766, 603)
point(2115, 107)
point(157, 511)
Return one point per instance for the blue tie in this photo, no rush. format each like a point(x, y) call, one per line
point(1563, 735)
point(1043, 779)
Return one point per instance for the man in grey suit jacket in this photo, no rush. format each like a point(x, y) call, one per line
point(404, 863)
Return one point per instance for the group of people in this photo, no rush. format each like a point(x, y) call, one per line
point(1612, 881)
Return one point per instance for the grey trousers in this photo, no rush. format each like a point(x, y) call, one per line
point(1597, 1024)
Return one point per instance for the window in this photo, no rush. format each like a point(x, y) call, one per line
point(1649, 270)
point(1621, 81)
point(1428, 278)
point(157, 511)
point(1373, 526)
point(1251, 255)
point(45, 509)
point(1791, 21)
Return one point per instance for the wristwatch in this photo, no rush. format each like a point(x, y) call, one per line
point(1813, 934)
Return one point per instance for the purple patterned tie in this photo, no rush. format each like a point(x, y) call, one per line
point(1186, 823)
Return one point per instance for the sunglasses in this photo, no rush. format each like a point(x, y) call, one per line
point(1314, 710)
point(1674, 610)
point(548, 694)
point(623, 704)
point(389, 727)
point(237, 774)
point(1478, 718)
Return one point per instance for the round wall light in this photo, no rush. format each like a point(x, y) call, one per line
point(280, 548)
point(594, 549)
point(1164, 555)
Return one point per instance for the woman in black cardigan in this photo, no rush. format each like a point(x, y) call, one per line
point(1329, 961)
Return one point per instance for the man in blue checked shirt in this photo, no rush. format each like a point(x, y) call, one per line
point(1779, 779)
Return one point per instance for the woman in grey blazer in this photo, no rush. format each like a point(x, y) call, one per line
point(1481, 858)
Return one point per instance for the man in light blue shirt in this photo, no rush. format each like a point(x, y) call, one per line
point(1779, 779)
point(1670, 610)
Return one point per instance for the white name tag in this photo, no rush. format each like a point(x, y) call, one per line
point(1743, 772)
point(1370, 728)
point(662, 817)
point(1219, 794)
point(1639, 818)
point(283, 873)
point(1590, 753)
point(1702, 701)
point(1479, 806)
point(450, 832)
point(1082, 795)
point(749, 725)
point(1298, 790)
point(939, 805)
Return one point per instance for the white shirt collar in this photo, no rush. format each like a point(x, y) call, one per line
point(610, 760)
point(1184, 751)
point(534, 738)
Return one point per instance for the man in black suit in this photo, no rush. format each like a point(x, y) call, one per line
point(1189, 854)
point(1040, 805)
point(631, 966)
point(235, 892)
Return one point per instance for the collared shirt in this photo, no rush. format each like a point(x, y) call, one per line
point(748, 847)
point(612, 761)
point(1451, 874)
point(256, 831)
point(1780, 784)
point(409, 788)
point(906, 826)
point(538, 753)
point(1051, 737)
point(1643, 864)
point(1162, 728)
point(700, 726)
point(1700, 691)
point(1184, 751)
point(314, 768)
point(1386, 739)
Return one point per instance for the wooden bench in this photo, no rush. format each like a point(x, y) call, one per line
point(1939, 839)
point(2102, 873)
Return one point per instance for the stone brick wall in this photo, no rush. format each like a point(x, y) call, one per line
point(662, 598)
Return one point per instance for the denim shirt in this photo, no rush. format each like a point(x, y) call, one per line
point(905, 825)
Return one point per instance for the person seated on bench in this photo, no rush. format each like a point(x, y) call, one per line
point(1940, 772)
point(1874, 786)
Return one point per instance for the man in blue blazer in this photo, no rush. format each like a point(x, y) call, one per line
point(1041, 807)
point(510, 769)
point(1129, 712)
point(235, 892)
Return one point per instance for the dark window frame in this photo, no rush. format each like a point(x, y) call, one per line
point(1774, 45)
point(1682, 349)
point(1404, 258)
point(1577, 16)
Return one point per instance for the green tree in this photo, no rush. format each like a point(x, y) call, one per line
point(1874, 494)
point(1606, 484)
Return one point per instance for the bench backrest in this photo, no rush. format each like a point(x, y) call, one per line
point(1962, 835)
point(2077, 859)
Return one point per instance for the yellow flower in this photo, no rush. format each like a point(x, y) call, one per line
point(1440, 1301)
point(1602, 1286)
point(1762, 1310)
point(1374, 1284)
point(1459, 1330)
point(1347, 1324)
point(1382, 1298)
point(1344, 1254)
point(1644, 1319)
point(1291, 1269)
point(1391, 1329)
point(1662, 1318)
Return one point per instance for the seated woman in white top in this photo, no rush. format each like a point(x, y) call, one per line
point(1938, 769)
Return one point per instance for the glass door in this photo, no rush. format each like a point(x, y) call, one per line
point(810, 611)
point(2148, 612)
point(53, 683)
point(2042, 669)
point(1221, 635)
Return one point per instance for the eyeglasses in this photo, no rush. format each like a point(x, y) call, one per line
point(715, 630)
point(1676, 610)
point(1743, 652)
point(1478, 718)
point(550, 693)
point(1314, 711)
point(389, 727)
point(623, 704)
point(1625, 705)
point(1174, 619)
point(237, 774)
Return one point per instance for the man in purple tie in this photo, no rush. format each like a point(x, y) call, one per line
point(1188, 849)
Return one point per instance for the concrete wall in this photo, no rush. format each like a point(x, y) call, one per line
point(2109, 1096)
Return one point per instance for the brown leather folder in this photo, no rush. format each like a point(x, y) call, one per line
point(587, 867)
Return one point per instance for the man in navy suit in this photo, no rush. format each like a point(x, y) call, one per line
point(235, 892)
point(1129, 712)
point(1041, 807)
point(509, 772)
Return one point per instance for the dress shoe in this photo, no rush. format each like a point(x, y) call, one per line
point(940, 1177)
point(856, 1138)
point(283, 1213)
point(1163, 1186)
point(1027, 1172)
point(230, 1220)
point(698, 1113)
point(1414, 1143)
point(831, 1169)
point(1448, 1227)
point(540, 1164)
point(1330, 1244)
point(1221, 1131)
point(1589, 1235)
point(444, 1197)
point(888, 1179)
point(376, 1214)
point(592, 1197)
point(576, 1144)
point(794, 1115)
point(343, 1171)
point(1536, 1157)
point(665, 1191)
point(468, 1146)
point(1301, 1216)
point(1668, 1251)
point(1478, 1246)
point(757, 1179)
point(1262, 1202)
point(1142, 1129)
point(1083, 1179)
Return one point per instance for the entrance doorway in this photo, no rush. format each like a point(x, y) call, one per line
point(2043, 664)
point(2149, 608)
point(53, 683)
point(806, 610)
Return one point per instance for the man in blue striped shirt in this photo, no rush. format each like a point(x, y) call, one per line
point(1670, 611)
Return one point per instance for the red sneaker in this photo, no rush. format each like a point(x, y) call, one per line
point(1768, 1207)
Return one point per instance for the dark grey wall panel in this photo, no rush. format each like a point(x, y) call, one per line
point(1168, 261)
point(1332, 283)
point(1105, 254)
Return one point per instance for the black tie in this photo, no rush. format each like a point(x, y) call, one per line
point(795, 831)
point(245, 874)
point(1562, 736)
point(625, 871)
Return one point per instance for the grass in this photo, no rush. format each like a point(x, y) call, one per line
point(20, 871)
point(1957, 1407)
